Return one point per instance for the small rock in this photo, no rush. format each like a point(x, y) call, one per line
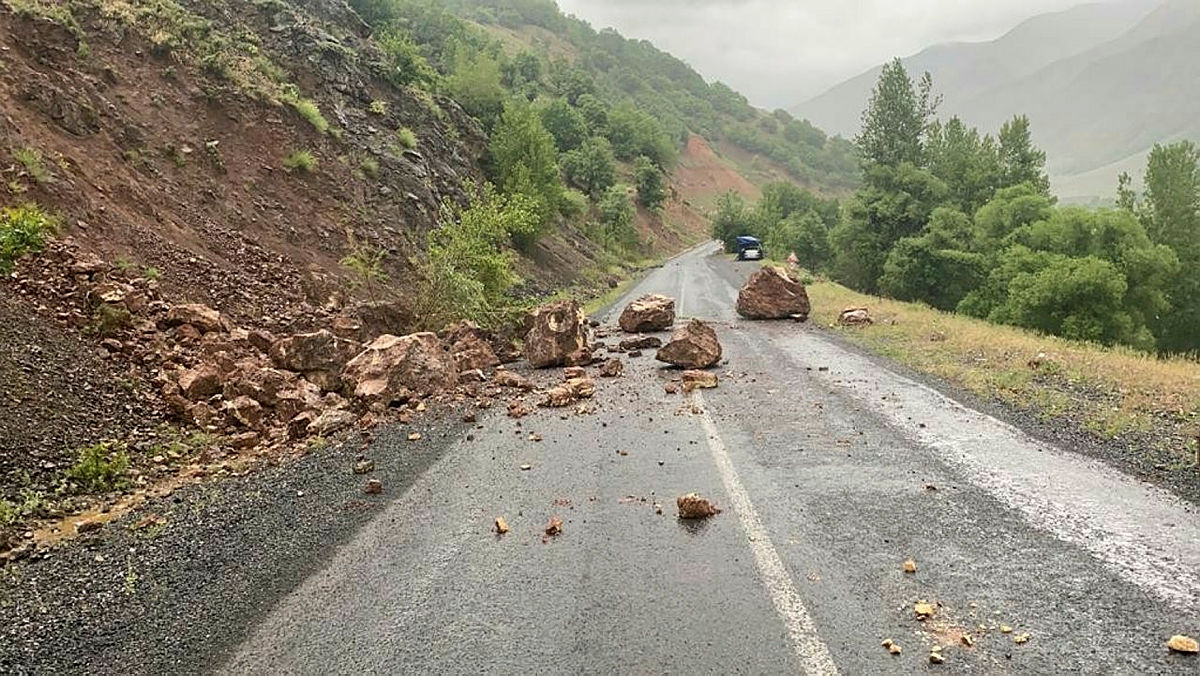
point(612, 368)
point(555, 526)
point(1021, 638)
point(694, 378)
point(526, 468)
point(936, 657)
point(910, 566)
point(692, 506)
point(855, 316)
point(500, 526)
point(967, 640)
point(1183, 644)
point(1005, 629)
point(505, 378)
point(924, 610)
point(414, 436)
point(373, 487)
point(470, 417)
point(364, 466)
point(892, 646)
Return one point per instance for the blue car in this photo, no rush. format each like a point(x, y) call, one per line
point(749, 249)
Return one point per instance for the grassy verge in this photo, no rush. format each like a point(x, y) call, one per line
point(1114, 393)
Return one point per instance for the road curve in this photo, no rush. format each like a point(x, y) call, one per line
point(831, 469)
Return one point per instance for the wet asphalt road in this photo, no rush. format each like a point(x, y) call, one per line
point(831, 469)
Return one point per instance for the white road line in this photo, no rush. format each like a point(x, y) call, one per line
point(814, 656)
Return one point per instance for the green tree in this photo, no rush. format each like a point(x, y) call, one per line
point(616, 219)
point(1011, 209)
point(565, 123)
point(475, 83)
point(404, 62)
point(1172, 217)
point(1020, 160)
point(634, 132)
point(894, 203)
point(936, 267)
point(732, 219)
point(524, 159)
point(894, 121)
point(804, 233)
point(968, 164)
point(650, 183)
point(591, 167)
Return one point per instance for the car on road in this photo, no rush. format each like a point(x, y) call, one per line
point(749, 249)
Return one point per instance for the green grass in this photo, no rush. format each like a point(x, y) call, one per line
point(378, 107)
point(369, 167)
point(109, 320)
point(34, 164)
point(1111, 392)
point(406, 137)
point(310, 111)
point(100, 468)
point(23, 229)
point(300, 160)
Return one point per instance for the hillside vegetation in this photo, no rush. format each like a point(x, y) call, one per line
point(1101, 84)
point(965, 221)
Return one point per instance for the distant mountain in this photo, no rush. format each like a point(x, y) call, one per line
point(1101, 84)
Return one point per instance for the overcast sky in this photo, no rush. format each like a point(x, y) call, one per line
point(782, 52)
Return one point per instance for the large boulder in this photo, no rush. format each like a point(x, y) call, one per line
point(652, 312)
point(557, 335)
point(694, 346)
point(319, 355)
point(201, 382)
point(771, 293)
point(393, 368)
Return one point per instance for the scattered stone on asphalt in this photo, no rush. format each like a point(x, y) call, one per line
point(535, 437)
point(470, 417)
point(518, 409)
point(773, 293)
point(671, 387)
point(855, 316)
point(910, 566)
point(414, 436)
point(967, 640)
point(652, 312)
point(935, 656)
point(695, 378)
point(501, 526)
point(924, 610)
point(692, 506)
point(1005, 629)
point(612, 368)
point(373, 487)
point(526, 468)
point(892, 647)
point(1021, 638)
point(1183, 644)
point(364, 466)
point(555, 526)
point(639, 343)
point(506, 378)
point(693, 346)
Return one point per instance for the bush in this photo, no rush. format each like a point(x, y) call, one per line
point(524, 159)
point(23, 229)
point(378, 107)
point(34, 164)
point(403, 59)
point(469, 271)
point(616, 219)
point(300, 160)
point(100, 467)
point(110, 320)
point(406, 137)
point(308, 109)
point(565, 123)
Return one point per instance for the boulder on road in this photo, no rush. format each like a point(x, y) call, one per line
point(855, 316)
point(392, 368)
point(557, 334)
point(692, 506)
point(652, 312)
point(771, 293)
point(694, 346)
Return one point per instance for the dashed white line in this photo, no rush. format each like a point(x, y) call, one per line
point(806, 641)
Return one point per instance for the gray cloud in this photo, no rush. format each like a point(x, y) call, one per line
point(781, 52)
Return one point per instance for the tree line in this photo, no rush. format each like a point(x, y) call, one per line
point(966, 222)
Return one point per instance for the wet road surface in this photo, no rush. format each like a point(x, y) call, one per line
point(831, 471)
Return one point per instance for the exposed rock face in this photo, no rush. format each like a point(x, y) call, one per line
point(771, 293)
point(393, 368)
point(855, 316)
point(653, 312)
point(557, 334)
point(694, 346)
point(200, 316)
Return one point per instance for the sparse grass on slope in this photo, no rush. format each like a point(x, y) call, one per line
point(1112, 392)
